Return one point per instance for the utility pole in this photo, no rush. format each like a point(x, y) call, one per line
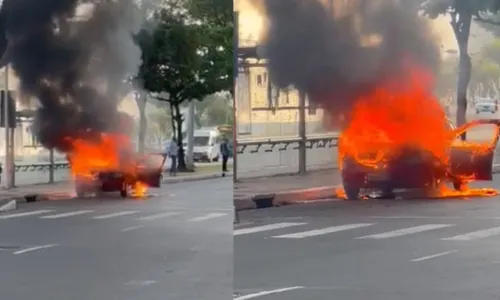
point(302, 133)
point(236, 46)
point(190, 135)
point(8, 161)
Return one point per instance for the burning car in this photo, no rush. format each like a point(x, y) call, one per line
point(147, 173)
point(387, 166)
point(109, 164)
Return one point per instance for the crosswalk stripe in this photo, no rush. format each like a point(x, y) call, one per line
point(116, 214)
point(25, 214)
point(207, 217)
point(475, 235)
point(404, 231)
point(322, 231)
point(69, 214)
point(158, 216)
point(265, 228)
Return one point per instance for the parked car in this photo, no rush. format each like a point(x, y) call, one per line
point(486, 105)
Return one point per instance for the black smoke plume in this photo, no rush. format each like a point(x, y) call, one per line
point(73, 57)
point(335, 57)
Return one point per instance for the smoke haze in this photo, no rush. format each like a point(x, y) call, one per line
point(73, 57)
point(334, 59)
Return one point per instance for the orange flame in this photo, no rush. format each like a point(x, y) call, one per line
point(109, 153)
point(400, 115)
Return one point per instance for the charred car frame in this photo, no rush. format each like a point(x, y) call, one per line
point(120, 181)
point(416, 169)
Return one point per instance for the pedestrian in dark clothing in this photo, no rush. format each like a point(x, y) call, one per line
point(224, 151)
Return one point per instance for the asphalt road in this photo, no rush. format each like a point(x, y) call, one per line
point(175, 245)
point(375, 249)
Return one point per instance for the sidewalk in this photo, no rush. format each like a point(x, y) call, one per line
point(281, 190)
point(65, 190)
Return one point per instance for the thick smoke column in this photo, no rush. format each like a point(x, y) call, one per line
point(335, 59)
point(73, 57)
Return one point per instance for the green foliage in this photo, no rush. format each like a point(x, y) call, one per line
point(435, 8)
point(214, 110)
point(188, 54)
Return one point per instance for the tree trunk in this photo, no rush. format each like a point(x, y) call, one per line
point(180, 158)
point(172, 119)
point(463, 81)
point(461, 26)
point(141, 105)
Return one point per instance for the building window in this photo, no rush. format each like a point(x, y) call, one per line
point(311, 107)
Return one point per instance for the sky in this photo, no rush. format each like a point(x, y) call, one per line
point(252, 26)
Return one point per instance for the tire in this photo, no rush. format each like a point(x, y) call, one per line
point(80, 191)
point(459, 186)
point(123, 191)
point(388, 193)
point(352, 193)
point(216, 159)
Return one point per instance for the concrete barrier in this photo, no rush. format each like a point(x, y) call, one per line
point(281, 156)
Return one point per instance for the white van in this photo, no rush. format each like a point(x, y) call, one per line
point(206, 145)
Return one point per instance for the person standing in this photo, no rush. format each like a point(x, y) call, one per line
point(172, 151)
point(224, 151)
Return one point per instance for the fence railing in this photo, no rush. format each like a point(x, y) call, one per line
point(291, 145)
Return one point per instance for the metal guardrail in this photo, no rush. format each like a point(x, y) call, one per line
point(40, 167)
point(321, 141)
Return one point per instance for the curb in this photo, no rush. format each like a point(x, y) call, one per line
point(195, 178)
point(259, 201)
point(285, 198)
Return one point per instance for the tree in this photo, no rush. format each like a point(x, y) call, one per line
point(461, 13)
point(159, 127)
point(214, 110)
point(185, 57)
point(446, 79)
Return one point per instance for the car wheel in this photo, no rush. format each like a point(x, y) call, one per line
point(124, 191)
point(388, 193)
point(80, 191)
point(351, 192)
point(216, 159)
point(459, 186)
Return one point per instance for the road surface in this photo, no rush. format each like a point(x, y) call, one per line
point(375, 249)
point(175, 245)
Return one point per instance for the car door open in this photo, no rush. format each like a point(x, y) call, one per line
point(473, 159)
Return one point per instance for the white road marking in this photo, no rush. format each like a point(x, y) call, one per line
point(265, 228)
point(25, 214)
point(316, 232)
point(416, 217)
point(158, 216)
point(433, 256)
point(404, 231)
point(116, 214)
point(207, 217)
point(132, 228)
point(140, 283)
point(475, 235)
point(265, 293)
point(69, 214)
point(34, 249)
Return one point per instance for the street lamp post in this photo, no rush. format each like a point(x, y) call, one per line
point(8, 161)
point(235, 82)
